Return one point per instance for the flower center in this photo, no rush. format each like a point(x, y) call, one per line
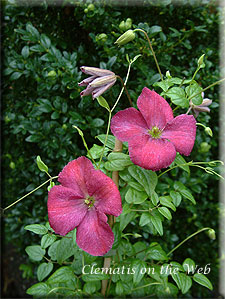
point(155, 132)
point(89, 201)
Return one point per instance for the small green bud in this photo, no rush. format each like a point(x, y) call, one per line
point(64, 126)
point(168, 75)
point(122, 26)
point(125, 38)
point(201, 61)
point(209, 131)
point(204, 147)
point(91, 7)
point(52, 74)
point(51, 185)
point(212, 234)
point(12, 165)
point(86, 10)
point(128, 23)
point(101, 37)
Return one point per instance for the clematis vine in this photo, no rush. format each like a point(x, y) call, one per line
point(99, 81)
point(82, 200)
point(153, 134)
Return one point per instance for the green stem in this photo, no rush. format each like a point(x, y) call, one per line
point(128, 72)
point(147, 285)
point(194, 234)
point(153, 53)
point(125, 90)
point(211, 85)
point(106, 138)
point(52, 178)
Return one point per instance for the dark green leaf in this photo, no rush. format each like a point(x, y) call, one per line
point(44, 270)
point(25, 52)
point(193, 89)
point(47, 240)
point(35, 252)
point(40, 290)
point(165, 212)
point(135, 197)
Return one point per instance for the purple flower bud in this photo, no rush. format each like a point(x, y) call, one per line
point(203, 107)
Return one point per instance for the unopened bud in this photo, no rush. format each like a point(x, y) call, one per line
point(208, 131)
point(201, 62)
point(52, 74)
point(168, 75)
point(125, 38)
point(212, 234)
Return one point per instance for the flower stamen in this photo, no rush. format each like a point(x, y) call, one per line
point(89, 201)
point(155, 132)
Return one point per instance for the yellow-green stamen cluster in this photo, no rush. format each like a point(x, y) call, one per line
point(89, 201)
point(155, 132)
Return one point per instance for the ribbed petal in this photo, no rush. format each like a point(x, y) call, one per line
point(181, 131)
point(94, 235)
point(75, 175)
point(154, 108)
point(87, 91)
point(100, 90)
point(95, 71)
point(149, 153)
point(105, 192)
point(66, 209)
point(105, 80)
point(127, 124)
point(87, 81)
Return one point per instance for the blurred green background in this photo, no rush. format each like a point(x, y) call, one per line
point(44, 47)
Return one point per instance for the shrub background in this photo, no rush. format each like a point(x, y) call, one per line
point(44, 47)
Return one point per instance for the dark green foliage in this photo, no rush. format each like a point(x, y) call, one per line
point(43, 49)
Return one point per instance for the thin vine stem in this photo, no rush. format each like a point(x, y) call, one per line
point(127, 93)
point(189, 237)
point(106, 138)
point(52, 178)
point(153, 53)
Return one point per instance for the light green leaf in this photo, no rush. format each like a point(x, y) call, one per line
point(187, 194)
point(155, 252)
point(183, 281)
point(47, 240)
point(44, 270)
point(176, 197)
point(65, 249)
point(203, 280)
point(157, 223)
point(96, 151)
point(139, 267)
point(165, 212)
point(189, 265)
point(179, 160)
point(193, 89)
point(135, 197)
point(147, 178)
point(61, 275)
point(25, 52)
point(40, 290)
point(41, 165)
point(35, 252)
point(154, 198)
point(117, 161)
point(167, 201)
point(177, 96)
point(37, 229)
point(94, 277)
point(102, 102)
point(145, 219)
point(110, 140)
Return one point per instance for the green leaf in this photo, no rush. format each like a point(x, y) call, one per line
point(176, 197)
point(157, 223)
point(37, 48)
point(55, 115)
point(15, 76)
point(52, 250)
point(154, 198)
point(145, 219)
point(41, 165)
point(164, 85)
point(46, 42)
point(102, 102)
point(166, 201)
point(155, 252)
point(47, 240)
point(110, 140)
point(165, 212)
point(65, 249)
point(25, 52)
point(189, 265)
point(33, 138)
point(183, 281)
point(33, 31)
point(146, 178)
point(117, 161)
point(179, 160)
point(37, 229)
point(91, 287)
point(119, 288)
point(97, 122)
point(40, 289)
point(96, 151)
point(191, 90)
point(35, 252)
point(135, 197)
point(94, 277)
point(135, 185)
point(139, 267)
point(44, 270)
point(187, 194)
point(62, 275)
point(177, 96)
point(203, 280)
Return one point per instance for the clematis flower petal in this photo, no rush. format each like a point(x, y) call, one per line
point(94, 235)
point(66, 209)
point(150, 153)
point(87, 91)
point(100, 90)
point(102, 81)
point(181, 131)
point(105, 192)
point(87, 81)
point(154, 108)
point(74, 175)
point(95, 71)
point(127, 124)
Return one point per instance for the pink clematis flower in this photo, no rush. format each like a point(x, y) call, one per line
point(82, 200)
point(153, 134)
